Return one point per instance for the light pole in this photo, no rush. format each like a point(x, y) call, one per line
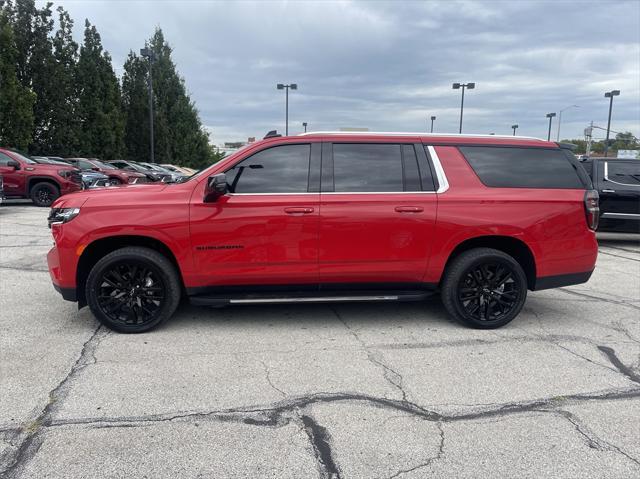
point(304, 123)
point(282, 86)
point(515, 127)
point(457, 86)
point(433, 118)
point(560, 118)
point(609, 95)
point(550, 116)
point(150, 54)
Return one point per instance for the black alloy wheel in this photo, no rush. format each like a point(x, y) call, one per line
point(488, 291)
point(133, 289)
point(484, 288)
point(115, 181)
point(44, 194)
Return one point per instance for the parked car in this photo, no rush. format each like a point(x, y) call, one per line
point(43, 183)
point(479, 219)
point(94, 179)
point(116, 176)
point(618, 184)
point(175, 176)
point(133, 166)
point(179, 169)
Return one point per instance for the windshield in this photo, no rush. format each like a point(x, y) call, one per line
point(24, 158)
point(102, 165)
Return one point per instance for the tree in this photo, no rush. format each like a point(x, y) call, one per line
point(179, 136)
point(34, 64)
point(16, 101)
point(63, 129)
point(99, 103)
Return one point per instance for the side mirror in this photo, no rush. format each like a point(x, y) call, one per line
point(215, 188)
point(13, 164)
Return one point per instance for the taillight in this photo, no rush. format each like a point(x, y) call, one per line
point(592, 208)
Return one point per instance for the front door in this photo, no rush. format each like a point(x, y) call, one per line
point(264, 232)
point(378, 211)
point(13, 179)
point(620, 191)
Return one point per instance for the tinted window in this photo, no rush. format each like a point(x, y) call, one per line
point(367, 167)
point(282, 169)
point(411, 170)
point(84, 165)
point(522, 167)
point(624, 173)
point(4, 159)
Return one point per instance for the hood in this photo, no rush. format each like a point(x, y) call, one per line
point(44, 167)
point(111, 195)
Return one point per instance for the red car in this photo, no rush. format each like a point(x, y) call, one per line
point(43, 183)
point(335, 217)
point(116, 176)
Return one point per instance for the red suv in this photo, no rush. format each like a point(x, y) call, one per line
point(43, 183)
point(335, 217)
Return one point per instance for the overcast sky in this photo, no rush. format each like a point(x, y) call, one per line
point(388, 66)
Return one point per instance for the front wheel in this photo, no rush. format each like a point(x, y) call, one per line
point(115, 181)
point(133, 289)
point(484, 288)
point(44, 194)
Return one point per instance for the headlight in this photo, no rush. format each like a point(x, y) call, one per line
point(65, 173)
point(62, 215)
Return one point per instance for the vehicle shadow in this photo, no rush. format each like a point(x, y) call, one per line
point(316, 315)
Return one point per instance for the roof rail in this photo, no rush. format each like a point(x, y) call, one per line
point(413, 133)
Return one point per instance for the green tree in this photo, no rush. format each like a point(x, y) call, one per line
point(99, 104)
point(16, 101)
point(179, 135)
point(34, 64)
point(63, 128)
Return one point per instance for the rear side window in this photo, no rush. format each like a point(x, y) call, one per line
point(509, 167)
point(623, 173)
point(361, 167)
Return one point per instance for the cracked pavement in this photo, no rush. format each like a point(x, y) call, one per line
point(393, 390)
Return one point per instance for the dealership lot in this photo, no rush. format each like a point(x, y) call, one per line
point(342, 390)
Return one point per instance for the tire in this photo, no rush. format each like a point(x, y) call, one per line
point(133, 289)
point(44, 194)
point(115, 181)
point(484, 288)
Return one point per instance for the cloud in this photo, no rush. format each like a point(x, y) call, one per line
point(389, 65)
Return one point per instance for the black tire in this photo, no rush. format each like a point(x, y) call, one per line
point(115, 181)
point(484, 288)
point(133, 289)
point(44, 194)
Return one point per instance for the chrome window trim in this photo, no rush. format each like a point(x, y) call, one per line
point(338, 193)
point(443, 182)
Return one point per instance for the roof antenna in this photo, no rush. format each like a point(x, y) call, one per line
point(272, 134)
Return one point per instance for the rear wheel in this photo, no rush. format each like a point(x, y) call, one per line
point(44, 194)
point(484, 288)
point(114, 181)
point(133, 289)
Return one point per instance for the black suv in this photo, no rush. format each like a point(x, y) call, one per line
point(618, 183)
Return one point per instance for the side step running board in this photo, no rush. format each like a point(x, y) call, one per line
point(280, 298)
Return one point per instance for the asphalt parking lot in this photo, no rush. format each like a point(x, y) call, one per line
point(347, 390)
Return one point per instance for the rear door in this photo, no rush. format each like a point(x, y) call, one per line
point(378, 209)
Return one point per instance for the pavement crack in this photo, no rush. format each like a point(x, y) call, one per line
point(267, 372)
point(429, 461)
point(600, 298)
point(320, 442)
point(619, 365)
point(391, 376)
point(31, 439)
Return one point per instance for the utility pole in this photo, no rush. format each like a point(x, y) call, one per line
point(609, 95)
point(588, 134)
point(433, 118)
point(282, 86)
point(457, 86)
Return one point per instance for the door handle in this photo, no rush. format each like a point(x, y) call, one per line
point(409, 209)
point(298, 210)
point(608, 191)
